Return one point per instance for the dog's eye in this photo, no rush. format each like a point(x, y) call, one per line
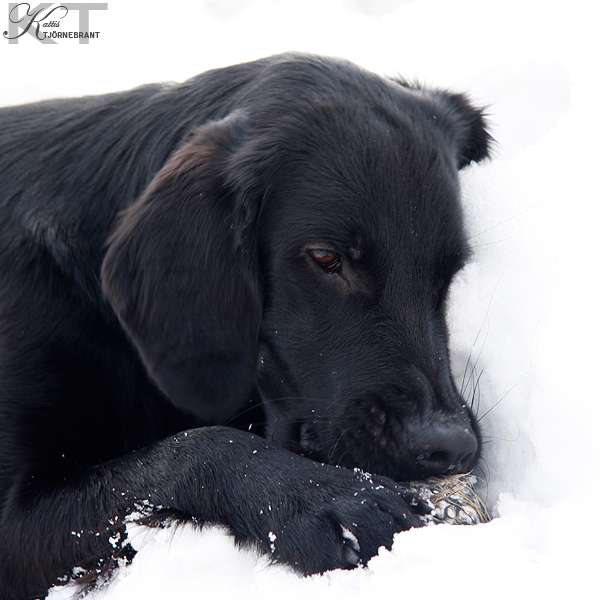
point(328, 259)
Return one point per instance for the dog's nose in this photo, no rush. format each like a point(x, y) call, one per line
point(442, 448)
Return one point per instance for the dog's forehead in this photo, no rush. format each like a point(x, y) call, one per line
point(368, 182)
point(358, 165)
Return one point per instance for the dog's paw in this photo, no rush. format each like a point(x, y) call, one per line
point(312, 516)
point(323, 517)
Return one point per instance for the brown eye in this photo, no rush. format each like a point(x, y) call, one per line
point(328, 259)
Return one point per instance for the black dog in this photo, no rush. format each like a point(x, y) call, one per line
point(278, 235)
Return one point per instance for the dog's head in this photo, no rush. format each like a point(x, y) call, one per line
point(303, 246)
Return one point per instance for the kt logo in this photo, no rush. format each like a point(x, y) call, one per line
point(23, 19)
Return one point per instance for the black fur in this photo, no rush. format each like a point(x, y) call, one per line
point(160, 286)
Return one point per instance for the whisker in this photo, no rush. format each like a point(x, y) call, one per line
point(487, 412)
point(463, 385)
point(506, 220)
point(477, 392)
point(266, 402)
point(327, 408)
point(484, 477)
point(492, 243)
point(337, 441)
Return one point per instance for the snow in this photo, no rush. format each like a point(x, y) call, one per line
point(523, 311)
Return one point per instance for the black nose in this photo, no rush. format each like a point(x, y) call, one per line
point(442, 448)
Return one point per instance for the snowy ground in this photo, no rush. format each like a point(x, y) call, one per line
point(524, 310)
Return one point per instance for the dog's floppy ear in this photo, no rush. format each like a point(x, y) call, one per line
point(181, 273)
point(468, 128)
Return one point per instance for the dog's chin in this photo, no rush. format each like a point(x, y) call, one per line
point(355, 448)
point(306, 439)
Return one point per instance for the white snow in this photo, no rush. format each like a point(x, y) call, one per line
point(524, 311)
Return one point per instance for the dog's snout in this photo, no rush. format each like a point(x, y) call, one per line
point(442, 448)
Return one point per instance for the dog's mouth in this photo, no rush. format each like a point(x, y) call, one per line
point(404, 451)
